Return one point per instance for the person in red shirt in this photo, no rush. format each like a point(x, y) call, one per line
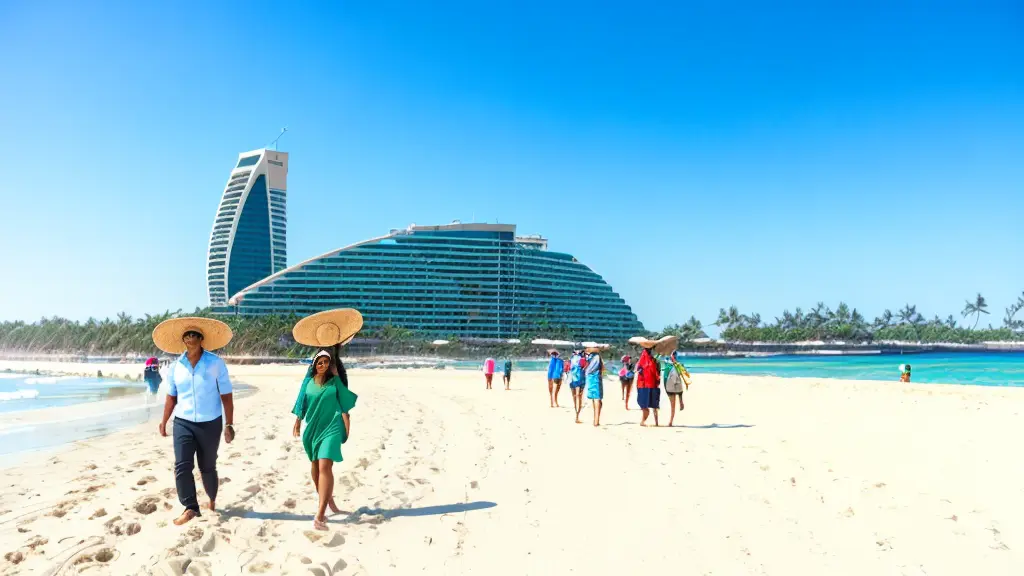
point(648, 378)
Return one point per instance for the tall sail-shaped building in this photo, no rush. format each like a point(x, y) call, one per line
point(248, 240)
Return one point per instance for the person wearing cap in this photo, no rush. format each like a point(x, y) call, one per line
point(626, 376)
point(151, 374)
point(324, 403)
point(577, 380)
point(556, 368)
point(595, 382)
point(199, 396)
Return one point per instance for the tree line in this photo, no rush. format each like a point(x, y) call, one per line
point(271, 335)
point(849, 325)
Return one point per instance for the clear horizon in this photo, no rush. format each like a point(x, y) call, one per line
point(696, 157)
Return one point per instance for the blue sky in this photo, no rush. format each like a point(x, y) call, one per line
point(695, 155)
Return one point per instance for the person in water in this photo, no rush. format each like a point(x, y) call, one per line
point(324, 403)
point(577, 381)
point(595, 382)
point(648, 394)
point(151, 374)
point(626, 376)
point(905, 374)
point(489, 371)
point(556, 368)
point(200, 399)
point(508, 373)
point(676, 378)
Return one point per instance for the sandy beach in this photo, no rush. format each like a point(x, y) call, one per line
point(760, 476)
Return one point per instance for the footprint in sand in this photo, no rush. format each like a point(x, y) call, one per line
point(61, 509)
point(35, 542)
point(325, 569)
point(260, 567)
point(145, 480)
point(138, 464)
point(289, 503)
point(146, 504)
point(333, 540)
point(14, 557)
point(98, 514)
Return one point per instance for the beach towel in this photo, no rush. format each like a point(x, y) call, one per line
point(647, 371)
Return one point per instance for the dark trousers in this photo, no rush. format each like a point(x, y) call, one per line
point(196, 441)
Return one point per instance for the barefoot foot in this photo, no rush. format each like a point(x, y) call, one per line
point(334, 507)
point(320, 524)
point(211, 506)
point(186, 516)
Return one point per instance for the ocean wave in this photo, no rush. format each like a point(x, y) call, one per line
point(47, 380)
point(18, 395)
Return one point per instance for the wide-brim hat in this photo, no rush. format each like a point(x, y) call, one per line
point(593, 349)
point(328, 328)
point(643, 341)
point(663, 345)
point(667, 345)
point(167, 335)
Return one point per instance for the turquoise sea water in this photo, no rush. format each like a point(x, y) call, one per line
point(985, 369)
point(26, 392)
point(131, 404)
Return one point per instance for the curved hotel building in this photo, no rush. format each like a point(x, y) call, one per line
point(465, 280)
point(247, 242)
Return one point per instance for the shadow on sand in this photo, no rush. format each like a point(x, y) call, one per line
point(364, 515)
point(704, 427)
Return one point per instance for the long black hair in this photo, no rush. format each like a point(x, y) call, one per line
point(339, 366)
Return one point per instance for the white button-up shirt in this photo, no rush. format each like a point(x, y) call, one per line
point(198, 389)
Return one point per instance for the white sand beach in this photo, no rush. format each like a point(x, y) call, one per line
point(760, 476)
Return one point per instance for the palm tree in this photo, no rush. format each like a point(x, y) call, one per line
point(729, 319)
point(977, 308)
point(884, 321)
point(908, 315)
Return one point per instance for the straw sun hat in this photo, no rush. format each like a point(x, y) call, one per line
point(328, 328)
point(167, 335)
point(662, 345)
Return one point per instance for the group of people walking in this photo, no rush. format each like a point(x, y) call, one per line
point(200, 400)
point(585, 372)
point(200, 396)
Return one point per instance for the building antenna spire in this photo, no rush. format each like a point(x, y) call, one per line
point(274, 143)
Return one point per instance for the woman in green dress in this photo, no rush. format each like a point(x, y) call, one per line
point(324, 402)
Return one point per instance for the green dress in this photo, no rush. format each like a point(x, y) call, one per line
point(321, 407)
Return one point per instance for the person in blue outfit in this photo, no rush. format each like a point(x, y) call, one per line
point(595, 382)
point(556, 368)
point(200, 399)
point(151, 374)
point(577, 363)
